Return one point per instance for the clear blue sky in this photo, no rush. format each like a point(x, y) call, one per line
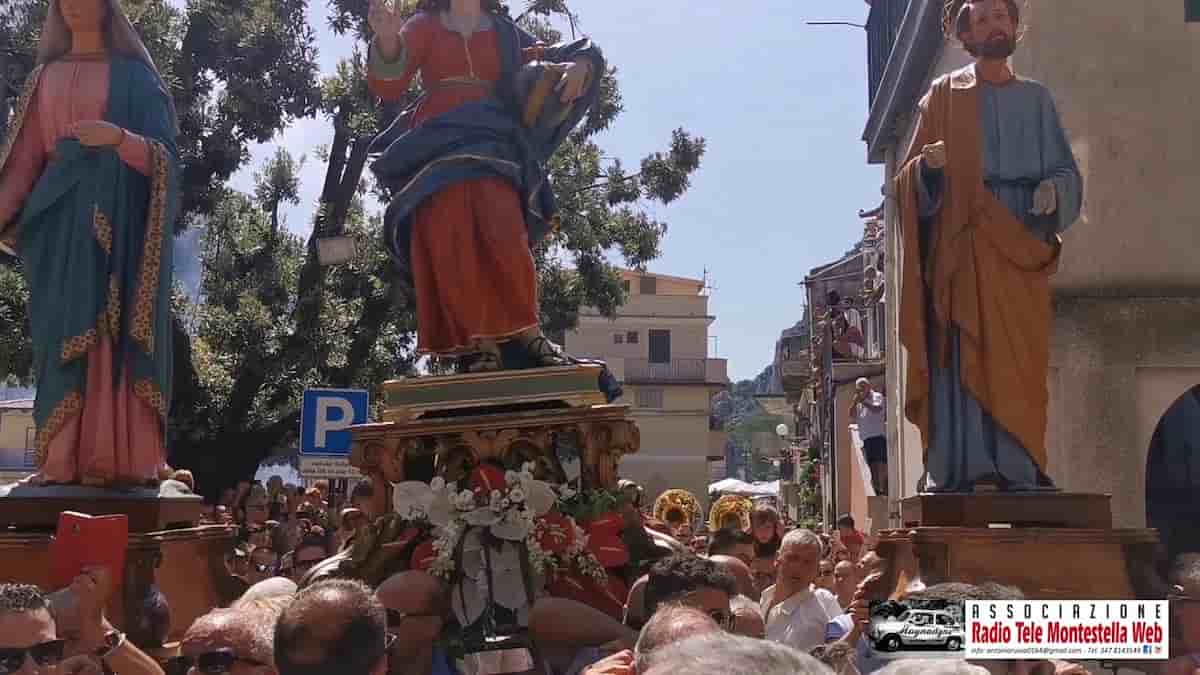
point(782, 105)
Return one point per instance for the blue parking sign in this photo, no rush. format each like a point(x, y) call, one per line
point(326, 417)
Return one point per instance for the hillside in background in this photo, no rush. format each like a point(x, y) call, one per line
point(741, 415)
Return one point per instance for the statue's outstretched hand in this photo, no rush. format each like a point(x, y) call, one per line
point(386, 18)
point(1045, 199)
point(934, 155)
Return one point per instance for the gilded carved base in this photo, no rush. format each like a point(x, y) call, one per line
point(556, 418)
point(593, 439)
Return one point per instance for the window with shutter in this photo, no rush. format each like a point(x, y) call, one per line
point(1191, 10)
point(660, 346)
point(648, 286)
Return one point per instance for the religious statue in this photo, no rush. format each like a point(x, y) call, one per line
point(989, 184)
point(467, 168)
point(88, 196)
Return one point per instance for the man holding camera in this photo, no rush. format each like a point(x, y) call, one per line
point(867, 410)
point(66, 632)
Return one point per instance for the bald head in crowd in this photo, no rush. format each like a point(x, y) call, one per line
point(747, 618)
point(247, 632)
point(723, 654)
point(740, 571)
point(670, 624)
point(334, 626)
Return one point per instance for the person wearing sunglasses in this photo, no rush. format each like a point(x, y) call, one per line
point(234, 641)
point(263, 563)
point(415, 604)
point(30, 644)
point(307, 555)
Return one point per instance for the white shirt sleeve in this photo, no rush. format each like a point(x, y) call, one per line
point(829, 603)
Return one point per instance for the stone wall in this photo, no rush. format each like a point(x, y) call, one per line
point(1117, 364)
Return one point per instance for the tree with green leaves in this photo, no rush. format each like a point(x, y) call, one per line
point(270, 320)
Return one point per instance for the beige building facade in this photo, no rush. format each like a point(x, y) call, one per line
point(17, 432)
point(1126, 338)
point(657, 346)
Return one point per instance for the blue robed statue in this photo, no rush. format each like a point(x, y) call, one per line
point(989, 185)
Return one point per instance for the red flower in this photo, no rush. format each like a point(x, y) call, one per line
point(577, 587)
point(406, 537)
point(556, 533)
point(608, 549)
point(610, 523)
point(423, 556)
point(486, 478)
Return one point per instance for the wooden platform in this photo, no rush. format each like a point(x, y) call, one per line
point(27, 507)
point(1038, 509)
point(1051, 545)
point(539, 388)
point(1045, 563)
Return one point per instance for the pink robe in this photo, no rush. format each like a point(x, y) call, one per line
point(112, 436)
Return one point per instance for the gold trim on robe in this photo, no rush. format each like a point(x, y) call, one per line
point(70, 406)
point(141, 327)
point(102, 227)
point(149, 393)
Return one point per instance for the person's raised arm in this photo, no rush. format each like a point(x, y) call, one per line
point(92, 589)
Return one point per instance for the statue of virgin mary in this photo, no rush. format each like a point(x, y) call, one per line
point(88, 198)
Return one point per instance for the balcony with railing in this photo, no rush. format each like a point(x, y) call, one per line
point(663, 306)
point(796, 371)
point(676, 371)
point(883, 25)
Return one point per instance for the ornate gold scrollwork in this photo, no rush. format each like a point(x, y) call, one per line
point(534, 447)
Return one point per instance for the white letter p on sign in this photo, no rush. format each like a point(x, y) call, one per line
point(325, 424)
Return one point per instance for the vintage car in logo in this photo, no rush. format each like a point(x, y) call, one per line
point(917, 628)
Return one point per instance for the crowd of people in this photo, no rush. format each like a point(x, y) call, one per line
point(765, 599)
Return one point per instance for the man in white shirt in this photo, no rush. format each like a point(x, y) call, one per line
point(796, 611)
point(868, 410)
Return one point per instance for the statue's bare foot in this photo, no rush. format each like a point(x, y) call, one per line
point(38, 479)
point(92, 481)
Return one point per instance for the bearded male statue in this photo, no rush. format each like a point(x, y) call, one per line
point(989, 184)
